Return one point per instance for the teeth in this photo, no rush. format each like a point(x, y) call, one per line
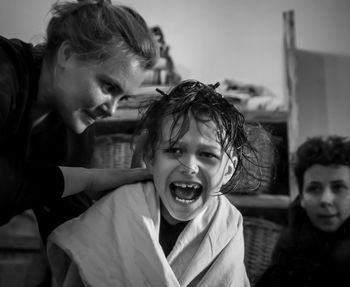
point(186, 201)
point(187, 185)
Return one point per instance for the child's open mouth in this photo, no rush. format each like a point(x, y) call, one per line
point(185, 193)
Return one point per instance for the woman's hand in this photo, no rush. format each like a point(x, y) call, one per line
point(106, 180)
point(97, 182)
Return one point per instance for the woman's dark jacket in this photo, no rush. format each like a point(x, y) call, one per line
point(305, 256)
point(29, 176)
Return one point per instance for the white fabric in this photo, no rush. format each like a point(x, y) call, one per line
point(115, 243)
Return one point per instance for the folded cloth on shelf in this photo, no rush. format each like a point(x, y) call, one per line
point(115, 243)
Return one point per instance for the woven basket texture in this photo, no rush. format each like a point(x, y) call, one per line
point(260, 237)
point(113, 151)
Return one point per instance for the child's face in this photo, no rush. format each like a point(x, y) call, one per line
point(326, 196)
point(188, 174)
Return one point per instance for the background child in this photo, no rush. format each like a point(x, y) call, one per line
point(315, 250)
point(176, 230)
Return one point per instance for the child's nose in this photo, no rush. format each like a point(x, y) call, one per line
point(189, 166)
point(327, 197)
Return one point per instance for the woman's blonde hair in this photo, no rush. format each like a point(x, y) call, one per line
point(94, 29)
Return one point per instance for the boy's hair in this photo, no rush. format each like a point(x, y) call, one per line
point(94, 28)
point(194, 98)
point(329, 151)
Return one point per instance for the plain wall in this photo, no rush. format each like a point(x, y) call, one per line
point(322, 92)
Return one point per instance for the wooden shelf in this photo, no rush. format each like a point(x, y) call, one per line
point(128, 113)
point(267, 206)
point(260, 200)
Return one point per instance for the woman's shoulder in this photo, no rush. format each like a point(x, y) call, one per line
point(18, 71)
point(16, 52)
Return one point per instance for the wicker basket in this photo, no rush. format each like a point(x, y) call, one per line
point(260, 237)
point(113, 151)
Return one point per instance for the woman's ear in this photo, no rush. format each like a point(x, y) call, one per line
point(64, 54)
point(230, 169)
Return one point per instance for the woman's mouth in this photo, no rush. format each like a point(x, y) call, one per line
point(185, 193)
point(90, 118)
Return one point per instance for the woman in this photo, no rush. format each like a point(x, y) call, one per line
point(95, 53)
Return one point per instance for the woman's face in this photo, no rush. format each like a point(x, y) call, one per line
point(326, 196)
point(84, 92)
point(188, 174)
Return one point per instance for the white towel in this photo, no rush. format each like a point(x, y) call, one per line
point(115, 243)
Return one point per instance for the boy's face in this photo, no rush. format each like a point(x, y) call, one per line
point(326, 196)
point(187, 175)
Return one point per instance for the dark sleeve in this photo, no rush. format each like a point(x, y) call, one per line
point(22, 185)
point(25, 186)
point(290, 266)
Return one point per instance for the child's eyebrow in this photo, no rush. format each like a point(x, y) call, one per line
point(216, 147)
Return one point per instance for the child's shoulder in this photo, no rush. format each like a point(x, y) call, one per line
point(229, 211)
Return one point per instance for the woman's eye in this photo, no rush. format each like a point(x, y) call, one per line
point(107, 88)
point(124, 98)
point(110, 89)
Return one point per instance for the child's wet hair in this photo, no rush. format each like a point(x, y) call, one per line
point(205, 104)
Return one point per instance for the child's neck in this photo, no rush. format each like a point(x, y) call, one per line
point(167, 216)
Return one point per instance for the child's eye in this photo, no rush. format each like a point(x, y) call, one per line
point(174, 151)
point(209, 155)
point(338, 188)
point(314, 189)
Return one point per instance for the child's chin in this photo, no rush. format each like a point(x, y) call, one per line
point(188, 216)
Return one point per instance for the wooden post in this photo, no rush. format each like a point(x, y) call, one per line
point(290, 91)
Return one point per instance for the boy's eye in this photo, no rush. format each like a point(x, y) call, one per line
point(314, 189)
point(337, 188)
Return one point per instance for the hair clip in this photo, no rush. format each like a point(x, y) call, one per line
point(161, 92)
point(214, 86)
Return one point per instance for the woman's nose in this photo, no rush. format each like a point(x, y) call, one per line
point(111, 106)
